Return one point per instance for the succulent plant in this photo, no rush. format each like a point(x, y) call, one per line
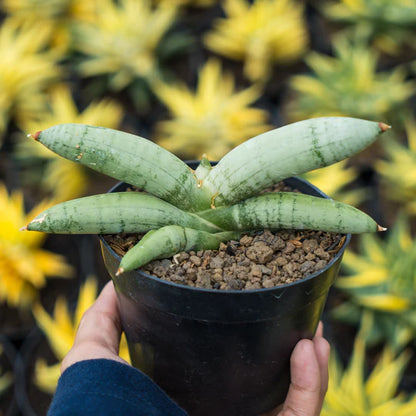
point(24, 264)
point(349, 84)
point(381, 279)
point(260, 33)
point(183, 209)
point(354, 391)
point(211, 120)
point(26, 67)
point(398, 169)
point(387, 24)
point(54, 15)
point(127, 43)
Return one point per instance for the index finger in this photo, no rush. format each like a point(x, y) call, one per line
point(101, 322)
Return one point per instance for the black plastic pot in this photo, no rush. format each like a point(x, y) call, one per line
point(219, 352)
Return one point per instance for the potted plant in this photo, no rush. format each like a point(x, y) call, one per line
point(211, 350)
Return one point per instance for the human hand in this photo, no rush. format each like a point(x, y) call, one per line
point(99, 332)
point(309, 378)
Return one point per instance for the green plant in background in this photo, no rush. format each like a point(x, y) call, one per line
point(211, 120)
point(350, 84)
point(335, 179)
point(6, 379)
point(388, 24)
point(54, 15)
point(60, 178)
point(24, 265)
point(27, 69)
point(382, 280)
point(398, 170)
point(186, 209)
point(126, 43)
point(352, 392)
point(261, 34)
point(60, 330)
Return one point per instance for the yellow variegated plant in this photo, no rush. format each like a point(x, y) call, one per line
point(334, 181)
point(398, 170)
point(211, 120)
point(26, 70)
point(61, 178)
point(382, 279)
point(24, 265)
point(349, 83)
point(126, 42)
point(55, 15)
point(387, 24)
point(60, 330)
point(260, 33)
point(351, 392)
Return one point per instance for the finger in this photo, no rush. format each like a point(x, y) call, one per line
point(304, 396)
point(320, 330)
point(322, 351)
point(99, 332)
point(100, 323)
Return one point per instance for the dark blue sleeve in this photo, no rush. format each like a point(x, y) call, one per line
point(106, 387)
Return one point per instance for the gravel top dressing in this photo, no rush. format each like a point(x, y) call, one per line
point(257, 260)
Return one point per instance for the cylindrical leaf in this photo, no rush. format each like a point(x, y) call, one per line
point(113, 213)
point(167, 241)
point(289, 210)
point(128, 158)
point(287, 151)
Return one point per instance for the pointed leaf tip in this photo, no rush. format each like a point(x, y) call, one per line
point(24, 228)
point(35, 135)
point(384, 127)
point(120, 271)
point(380, 228)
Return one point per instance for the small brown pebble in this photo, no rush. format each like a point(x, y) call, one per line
point(246, 240)
point(281, 261)
point(182, 256)
point(306, 267)
point(320, 265)
point(310, 256)
point(310, 245)
point(256, 270)
point(195, 260)
point(216, 262)
point(259, 253)
point(321, 253)
point(217, 277)
point(235, 284)
point(268, 283)
point(290, 248)
point(203, 279)
point(265, 270)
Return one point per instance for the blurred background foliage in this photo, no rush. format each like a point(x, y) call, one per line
point(199, 77)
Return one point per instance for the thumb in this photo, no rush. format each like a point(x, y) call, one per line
point(304, 396)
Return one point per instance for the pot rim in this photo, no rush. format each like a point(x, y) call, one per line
point(218, 292)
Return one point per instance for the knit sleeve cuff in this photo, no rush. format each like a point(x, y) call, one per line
point(106, 387)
